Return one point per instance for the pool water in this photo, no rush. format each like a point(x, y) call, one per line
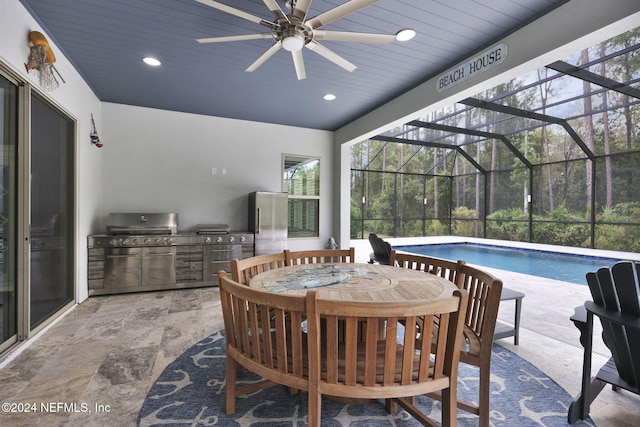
point(552, 265)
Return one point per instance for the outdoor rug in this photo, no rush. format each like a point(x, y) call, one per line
point(191, 392)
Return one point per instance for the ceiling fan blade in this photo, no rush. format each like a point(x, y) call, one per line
point(275, 9)
point(301, 9)
point(268, 54)
point(330, 55)
point(236, 12)
point(345, 36)
point(298, 62)
point(338, 12)
point(236, 38)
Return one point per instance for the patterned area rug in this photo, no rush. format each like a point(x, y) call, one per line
point(191, 392)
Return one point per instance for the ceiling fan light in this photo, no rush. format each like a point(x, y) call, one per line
point(405, 35)
point(293, 43)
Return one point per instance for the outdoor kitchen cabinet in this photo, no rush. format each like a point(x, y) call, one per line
point(96, 268)
point(189, 265)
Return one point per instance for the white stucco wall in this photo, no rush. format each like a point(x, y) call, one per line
point(161, 161)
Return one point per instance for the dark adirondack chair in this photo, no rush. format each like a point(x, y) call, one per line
point(381, 250)
point(616, 301)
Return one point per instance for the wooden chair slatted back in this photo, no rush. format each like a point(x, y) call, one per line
point(484, 300)
point(263, 329)
point(320, 256)
point(242, 270)
point(388, 356)
point(444, 268)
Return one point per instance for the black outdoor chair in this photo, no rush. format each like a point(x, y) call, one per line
point(616, 302)
point(381, 250)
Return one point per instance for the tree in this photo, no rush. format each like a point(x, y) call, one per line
point(545, 91)
point(605, 128)
point(588, 139)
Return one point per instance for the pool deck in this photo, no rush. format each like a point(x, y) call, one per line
point(548, 339)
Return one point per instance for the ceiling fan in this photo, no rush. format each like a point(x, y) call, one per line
point(294, 31)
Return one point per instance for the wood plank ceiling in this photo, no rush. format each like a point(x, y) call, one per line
point(106, 40)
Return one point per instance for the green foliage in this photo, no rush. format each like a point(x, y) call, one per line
point(555, 233)
point(560, 227)
point(463, 221)
point(619, 230)
point(437, 228)
point(508, 224)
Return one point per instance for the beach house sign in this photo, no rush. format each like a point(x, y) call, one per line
point(480, 63)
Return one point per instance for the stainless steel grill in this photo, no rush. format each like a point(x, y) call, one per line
point(145, 251)
point(139, 252)
point(135, 223)
point(220, 247)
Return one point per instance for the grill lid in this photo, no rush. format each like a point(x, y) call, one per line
point(142, 223)
point(213, 228)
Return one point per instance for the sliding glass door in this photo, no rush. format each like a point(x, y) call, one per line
point(37, 210)
point(52, 211)
point(8, 211)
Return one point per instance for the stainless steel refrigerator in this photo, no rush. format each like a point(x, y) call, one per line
point(268, 221)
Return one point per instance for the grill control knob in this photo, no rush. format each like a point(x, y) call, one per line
point(134, 242)
point(158, 241)
point(147, 241)
point(126, 242)
point(113, 242)
point(243, 239)
point(219, 240)
point(207, 240)
point(232, 239)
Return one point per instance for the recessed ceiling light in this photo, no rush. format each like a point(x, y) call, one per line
point(404, 35)
point(151, 61)
point(329, 97)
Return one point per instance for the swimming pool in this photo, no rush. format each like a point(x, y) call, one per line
point(552, 265)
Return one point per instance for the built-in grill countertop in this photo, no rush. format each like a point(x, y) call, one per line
point(131, 262)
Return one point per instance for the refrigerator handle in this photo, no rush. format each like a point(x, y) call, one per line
point(258, 225)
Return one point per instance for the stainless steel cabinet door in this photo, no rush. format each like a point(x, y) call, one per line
point(122, 267)
point(158, 265)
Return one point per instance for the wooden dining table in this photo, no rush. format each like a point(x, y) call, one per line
point(355, 282)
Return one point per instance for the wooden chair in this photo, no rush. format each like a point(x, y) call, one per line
point(394, 364)
point(242, 270)
point(480, 322)
point(615, 293)
point(320, 256)
point(444, 268)
point(381, 250)
point(264, 335)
